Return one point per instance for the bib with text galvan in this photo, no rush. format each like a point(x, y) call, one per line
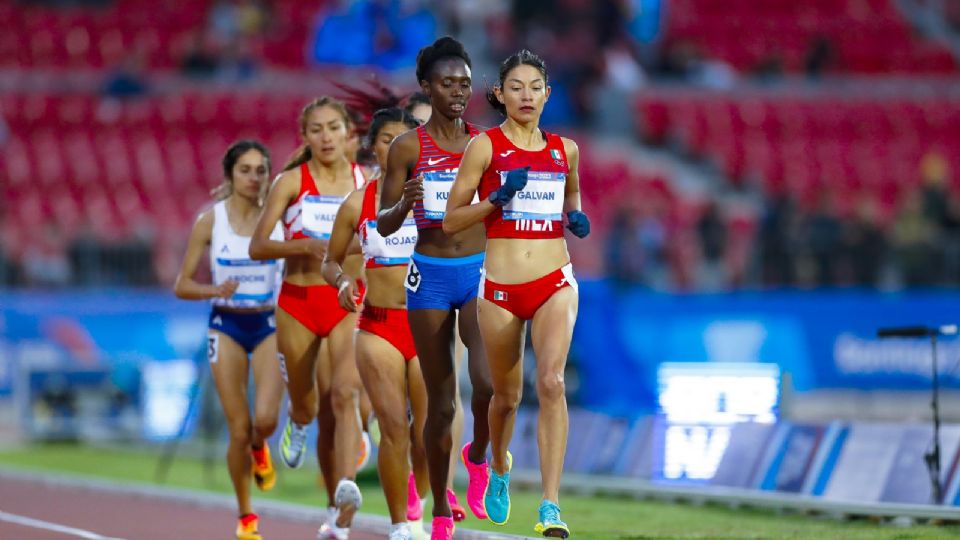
point(541, 198)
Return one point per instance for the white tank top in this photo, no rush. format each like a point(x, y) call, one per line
point(230, 259)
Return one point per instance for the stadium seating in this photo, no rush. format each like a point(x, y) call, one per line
point(868, 36)
point(44, 38)
point(121, 165)
point(803, 144)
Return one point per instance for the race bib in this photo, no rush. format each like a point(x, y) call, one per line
point(318, 214)
point(540, 199)
point(213, 347)
point(436, 191)
point(394, 249)
point(257, 279)
point(412, 281)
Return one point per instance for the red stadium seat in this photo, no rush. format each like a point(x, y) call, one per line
point(869, 37)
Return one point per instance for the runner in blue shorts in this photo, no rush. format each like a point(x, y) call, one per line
point(242, 326)
point(444, 273)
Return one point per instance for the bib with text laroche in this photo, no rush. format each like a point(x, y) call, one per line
point(319, 212)
point(256, 279)
point(541, 198)
point(395, 249)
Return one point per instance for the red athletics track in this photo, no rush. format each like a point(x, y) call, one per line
point(102, 515)
point(45, 506)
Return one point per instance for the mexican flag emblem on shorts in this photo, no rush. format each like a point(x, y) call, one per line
point(500, 296)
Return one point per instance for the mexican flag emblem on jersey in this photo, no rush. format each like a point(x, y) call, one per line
point(555, 153)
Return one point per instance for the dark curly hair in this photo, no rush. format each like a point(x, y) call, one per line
point(445, 47)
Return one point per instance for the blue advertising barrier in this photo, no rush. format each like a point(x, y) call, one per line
point(86, 329)
point(822, 340)
point(50, 343)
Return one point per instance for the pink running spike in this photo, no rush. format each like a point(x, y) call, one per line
point(459, 514)
point(479, 478)
point(442, 528)
point(414, 507)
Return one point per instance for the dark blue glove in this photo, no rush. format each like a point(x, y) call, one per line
point(578, 223)
point(515, 181)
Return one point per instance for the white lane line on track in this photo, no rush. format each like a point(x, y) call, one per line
point(55, 527)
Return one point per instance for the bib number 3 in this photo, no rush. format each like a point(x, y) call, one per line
point(213, 347)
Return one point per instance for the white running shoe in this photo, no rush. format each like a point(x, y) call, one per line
point(329, 529)
point(400, 531)
point(348, 499)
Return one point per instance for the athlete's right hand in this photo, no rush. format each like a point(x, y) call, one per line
point(315, 247)
point(226, 289)
point(412, 191)
point(514, 182)
point(347, 294)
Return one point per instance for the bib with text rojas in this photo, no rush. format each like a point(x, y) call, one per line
point(436, 191)
point(541, 198)
point(256, 279)
point(318, 214)
point(395, 249)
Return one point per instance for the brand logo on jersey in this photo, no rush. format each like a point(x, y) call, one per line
point(500, 296)
point(431, 161)
point(507, 153)
point(217, 321)
point(226, 249)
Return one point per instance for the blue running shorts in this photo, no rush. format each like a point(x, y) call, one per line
point(442, 283)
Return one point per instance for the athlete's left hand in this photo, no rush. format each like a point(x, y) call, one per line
point(578, 223)
point(347, 293)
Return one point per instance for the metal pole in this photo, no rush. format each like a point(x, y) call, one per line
point(933, 457)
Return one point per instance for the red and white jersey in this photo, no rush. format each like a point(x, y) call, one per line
point(439, 169)
point(311, 214)
point(536, 211)
point(380, 251)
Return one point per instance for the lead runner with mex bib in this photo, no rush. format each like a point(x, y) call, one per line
point(527, 178)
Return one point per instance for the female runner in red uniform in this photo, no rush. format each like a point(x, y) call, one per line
point(386, 354)
point(242, 325)
point(526, 179)
point(306, 198)
point(444, 272)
